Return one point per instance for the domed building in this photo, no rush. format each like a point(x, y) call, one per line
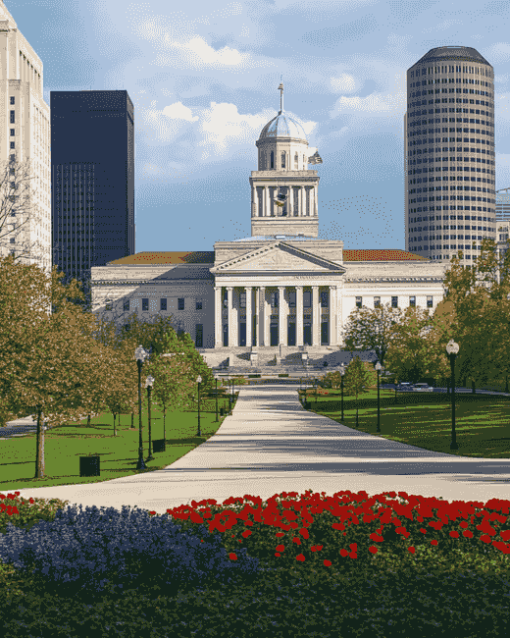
point(280, 296)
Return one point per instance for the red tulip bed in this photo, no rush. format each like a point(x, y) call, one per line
point(330, 566)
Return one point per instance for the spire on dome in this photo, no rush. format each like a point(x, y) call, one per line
point(280, 88)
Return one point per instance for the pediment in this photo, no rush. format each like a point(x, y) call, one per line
point(278, 257)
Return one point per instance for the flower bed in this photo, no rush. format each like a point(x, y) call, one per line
point(402, 565)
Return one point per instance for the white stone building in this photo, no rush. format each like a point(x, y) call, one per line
point(282, 291)
point(25, 137)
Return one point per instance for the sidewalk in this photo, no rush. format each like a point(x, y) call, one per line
point(270, 445)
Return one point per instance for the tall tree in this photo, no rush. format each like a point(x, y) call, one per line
point(371, 329)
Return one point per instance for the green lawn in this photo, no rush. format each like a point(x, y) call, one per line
point(119, 454)
point(482, 422)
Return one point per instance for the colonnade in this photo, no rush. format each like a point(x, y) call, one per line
point(301, 201)
point(259, 315)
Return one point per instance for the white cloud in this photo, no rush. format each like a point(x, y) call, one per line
point(373, 103)
point(198, 53)
point(498, 53)
point(344, 84)
point(178, 111)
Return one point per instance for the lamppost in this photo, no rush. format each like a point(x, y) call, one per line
point(316, 384)
point(140, 356)
point(216, 400)
point(342, 372)
point(378, 367)
point(199, 381)
point(229, 396)
point(452, 349)
point(148, 384)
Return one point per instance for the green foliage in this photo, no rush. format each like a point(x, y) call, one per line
point(371, 329)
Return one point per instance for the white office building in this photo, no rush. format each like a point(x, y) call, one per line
point(24, 138)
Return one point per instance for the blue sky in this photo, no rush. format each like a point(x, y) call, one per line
point(203, 76)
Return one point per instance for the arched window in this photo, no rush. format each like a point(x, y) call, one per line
point(296, 160)
point(283, 160)
point(272, 159)
point(304, 161)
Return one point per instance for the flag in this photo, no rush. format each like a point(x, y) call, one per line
point(315, 158)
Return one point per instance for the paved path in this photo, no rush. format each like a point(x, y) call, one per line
point(270, 445)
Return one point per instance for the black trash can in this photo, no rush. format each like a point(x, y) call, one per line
point(159, 445)
point(221, 411)
point(89, 466)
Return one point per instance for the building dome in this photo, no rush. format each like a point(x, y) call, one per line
point(452, 54)
point(283, 126)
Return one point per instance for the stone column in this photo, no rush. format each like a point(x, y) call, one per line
point(299, 201)
point(266, 304)
point(299, 315)
point(260, 311)
point(255, 202)
point(332, 316)
point(249, 317)
point(282, 316)
point(291, 201)
point(236, 312)
point(315, 200)
point(316, 313)
point(267, 212)
point(229, 316)
point(218, 317)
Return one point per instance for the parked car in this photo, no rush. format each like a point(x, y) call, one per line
point(405, 386)
point(422, 387)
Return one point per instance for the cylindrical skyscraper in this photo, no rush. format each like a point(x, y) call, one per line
point(449, 154)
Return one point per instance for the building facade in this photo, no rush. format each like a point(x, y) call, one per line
point(92, 173)
point(449, 154)
point(502, 219)
point(24, 148)
point(277, 293)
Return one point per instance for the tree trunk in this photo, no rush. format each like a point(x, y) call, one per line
point(39, 453)
point(132, 417)
point(357, 421)
point(473, 387)
point(114, 420)
point(506, 383)
point(88, 420)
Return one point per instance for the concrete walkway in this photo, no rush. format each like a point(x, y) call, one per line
point(271, 445)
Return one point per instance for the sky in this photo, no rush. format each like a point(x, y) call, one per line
point(203, 76)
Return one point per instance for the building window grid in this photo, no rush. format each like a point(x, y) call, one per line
point(198, 305)
point(180, 304)
point(359, 302)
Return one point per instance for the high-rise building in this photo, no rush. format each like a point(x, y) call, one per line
point(92, 174)
point(502, 219)
point(25, 224)
point(450, 163)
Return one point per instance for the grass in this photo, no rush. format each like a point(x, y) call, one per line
point(482, 422)
point(64, 445)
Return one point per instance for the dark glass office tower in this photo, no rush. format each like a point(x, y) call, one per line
point(450, 154)
point(92, 179)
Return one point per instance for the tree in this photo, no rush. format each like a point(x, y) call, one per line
point(370, 329)
point(410, 356)
point(356, 380)
point(20, 213)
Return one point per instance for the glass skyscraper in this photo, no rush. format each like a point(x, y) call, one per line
point(92, 176)
point(449, 154)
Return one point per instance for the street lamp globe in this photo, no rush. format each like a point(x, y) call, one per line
point(199, 379)
point(342, 369)
point(452, 347)
point(378, 366)
point(141, 354)
point(149, 381)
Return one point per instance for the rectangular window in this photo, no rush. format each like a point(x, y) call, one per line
point(13, 119)
point(292, 299)
point(394, 302)
point(180, 305)
point(429, 302)
point(359, 302)
point(412, 302)
point(108, 304)
point(12, 240)
point(307, 299)
point(145, 305)
point(12, 132)
point(13, 99)
point(324, 299)
point(199, 334)
point(126, 306)
point(198, 305)
point(377, 302)
point(12, 145)
point(274, 300)
point(163, 303)
point(242, 300)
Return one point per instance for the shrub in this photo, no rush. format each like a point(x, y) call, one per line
point(104, 542)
